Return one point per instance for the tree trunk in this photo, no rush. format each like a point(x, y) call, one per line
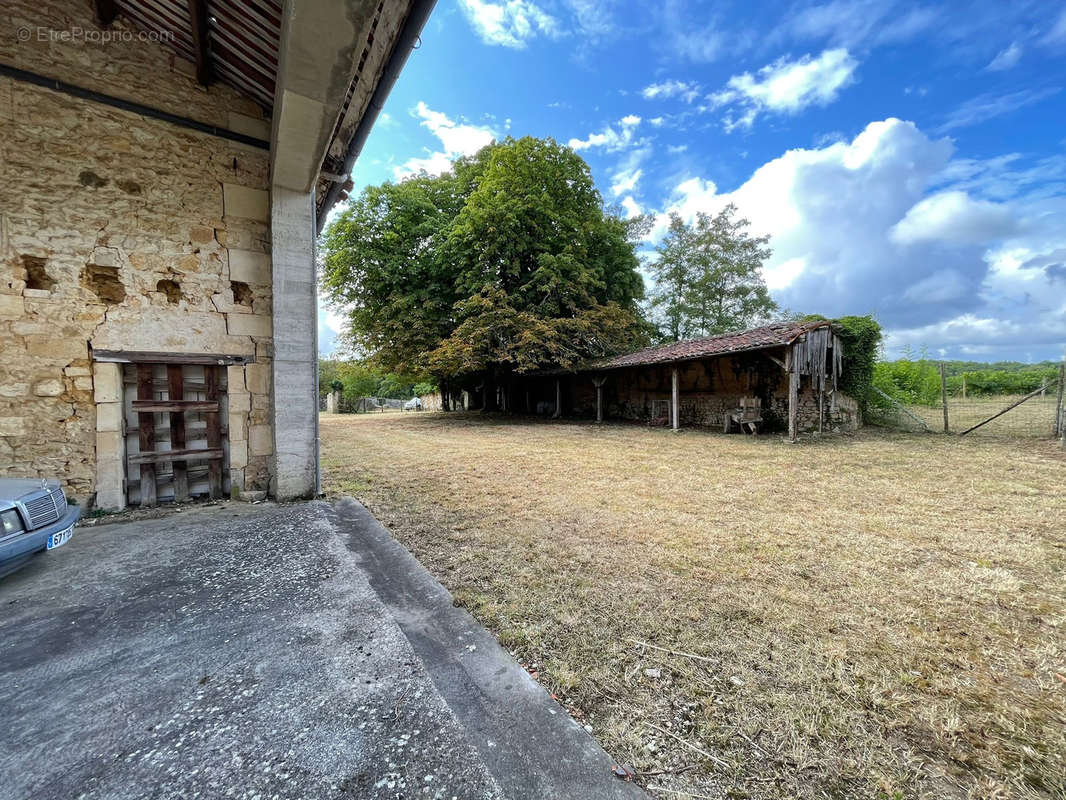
point(490, 403)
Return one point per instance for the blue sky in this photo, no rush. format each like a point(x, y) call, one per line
point(907, 159)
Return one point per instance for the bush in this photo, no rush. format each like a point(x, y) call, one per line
point(861, 337)
point(982, 383)
point(917, 381)
point(424, 388)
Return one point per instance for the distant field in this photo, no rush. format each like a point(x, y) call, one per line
point(869, 616)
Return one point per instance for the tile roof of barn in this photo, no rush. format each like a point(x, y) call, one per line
point(777, 334)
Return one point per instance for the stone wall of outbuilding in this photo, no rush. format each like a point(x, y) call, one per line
point(119, 232)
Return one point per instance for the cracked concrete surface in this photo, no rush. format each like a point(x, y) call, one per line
point(217, 653)
point(266, 652)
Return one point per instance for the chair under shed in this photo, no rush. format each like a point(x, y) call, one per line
point(748, 416)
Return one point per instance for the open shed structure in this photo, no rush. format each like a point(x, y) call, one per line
point(786, 375)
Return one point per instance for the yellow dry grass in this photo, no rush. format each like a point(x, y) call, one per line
point(877, 615)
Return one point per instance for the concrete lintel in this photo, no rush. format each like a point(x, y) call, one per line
point(321, 42)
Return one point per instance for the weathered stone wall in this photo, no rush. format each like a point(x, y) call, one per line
point(707, 390)
point(119, 232)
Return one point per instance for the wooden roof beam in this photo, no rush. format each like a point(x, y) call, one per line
point(106, 11)
point(201, 42)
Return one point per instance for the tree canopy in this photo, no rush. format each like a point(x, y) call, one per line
point(507, 263)
point(708, 277)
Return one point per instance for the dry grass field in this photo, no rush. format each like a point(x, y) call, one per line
point(869, 616)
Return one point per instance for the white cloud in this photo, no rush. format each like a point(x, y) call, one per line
point(851, 23)
point(511, 23)
point(457, 138)
point(594, 18)
point(632, 208)
point(881, 224)
point(685, 90)
point(785, 86)
point(781, 274)
point(1057, 33)
point(625, 181)
point(610, 138)
point(986, 106)
point(954, 216)
point(694, 42)
point(1005, 59)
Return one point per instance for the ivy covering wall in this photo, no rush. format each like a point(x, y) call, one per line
point(861, 337)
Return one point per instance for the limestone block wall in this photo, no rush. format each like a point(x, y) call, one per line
point(119, 232)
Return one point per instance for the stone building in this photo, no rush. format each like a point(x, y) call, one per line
point(164, 168)
point(786, 374)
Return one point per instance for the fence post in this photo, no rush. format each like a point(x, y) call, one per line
point(944, 395)
point(1060, 412)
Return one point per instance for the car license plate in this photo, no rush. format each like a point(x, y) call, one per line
point(61, 538)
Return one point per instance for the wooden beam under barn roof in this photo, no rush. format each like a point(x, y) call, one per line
point(106, 11)
point(201, 41)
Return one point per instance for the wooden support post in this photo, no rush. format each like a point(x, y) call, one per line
point(821, 394)
point(106, 11)
point(558, 399)
point(944, 395)
point(528, 408)
point(176, 392)
point(146, 434)
point(214, 433)
point(793, 394)
point(1060, 422)
point(674, 415)
point(793, 405)
point(599, 397)
point(201, 43)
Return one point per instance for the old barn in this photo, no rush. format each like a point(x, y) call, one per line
point(784, 376)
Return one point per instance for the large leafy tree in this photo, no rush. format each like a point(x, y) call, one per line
point(708, 276)
point(508, 263)
point(383, 265)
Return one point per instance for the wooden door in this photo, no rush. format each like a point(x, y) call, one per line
point(175, 442)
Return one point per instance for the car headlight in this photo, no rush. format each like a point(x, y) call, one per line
point(10, 521)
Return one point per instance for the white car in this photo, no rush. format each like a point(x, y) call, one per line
point(34, 516)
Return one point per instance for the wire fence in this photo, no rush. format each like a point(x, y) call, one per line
point(1039, 414)
point(361, 405)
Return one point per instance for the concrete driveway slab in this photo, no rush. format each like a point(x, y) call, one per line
point(217, 653)
point(292, 651)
